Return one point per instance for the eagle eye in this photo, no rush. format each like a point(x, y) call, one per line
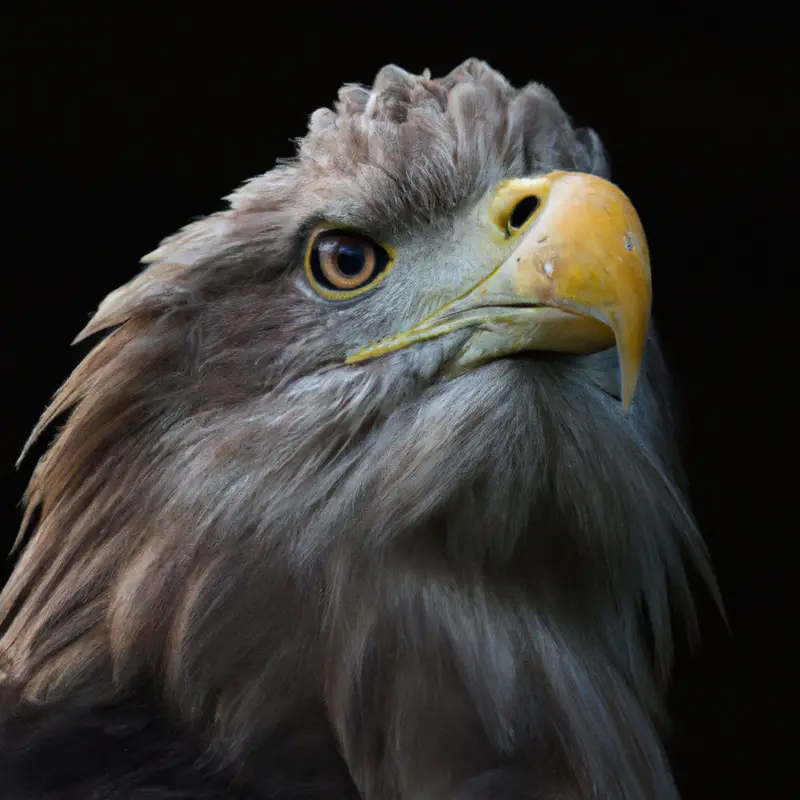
point(342, 264)
point(522, 212)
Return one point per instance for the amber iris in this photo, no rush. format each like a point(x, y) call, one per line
point(342, 264)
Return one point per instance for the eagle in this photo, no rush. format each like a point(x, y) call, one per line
point(370, 487)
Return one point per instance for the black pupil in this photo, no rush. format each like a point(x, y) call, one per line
point(350, 259)
point(522, 211)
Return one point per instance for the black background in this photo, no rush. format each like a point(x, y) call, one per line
point(117, 132)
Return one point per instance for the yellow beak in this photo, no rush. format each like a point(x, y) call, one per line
point(577, 282)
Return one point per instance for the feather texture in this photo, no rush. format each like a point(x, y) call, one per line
point(452, 581)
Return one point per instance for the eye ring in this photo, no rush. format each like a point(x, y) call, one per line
point(342, 264)
point(521, 213)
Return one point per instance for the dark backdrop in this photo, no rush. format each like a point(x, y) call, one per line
point(116, 133)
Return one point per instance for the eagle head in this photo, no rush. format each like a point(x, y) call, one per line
point(385, 444)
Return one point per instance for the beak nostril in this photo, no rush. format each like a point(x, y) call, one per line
point(522, 212)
